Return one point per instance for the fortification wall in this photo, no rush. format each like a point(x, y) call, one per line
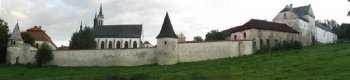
point(192, 52)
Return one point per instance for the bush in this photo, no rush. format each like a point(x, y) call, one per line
point(43, 55)
point(140, 76)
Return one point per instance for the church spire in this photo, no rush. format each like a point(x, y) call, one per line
point(167, 30)
point(16, 34)
point(100, 14)
point(81, 26)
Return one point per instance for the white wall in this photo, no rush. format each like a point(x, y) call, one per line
point(192, 52)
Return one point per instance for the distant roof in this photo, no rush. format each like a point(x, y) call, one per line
point(261, 24)
point(146, 42)
point(118, 31)
point(167, 30)
point(324, 27)
point(39, 35)
point(301, 11)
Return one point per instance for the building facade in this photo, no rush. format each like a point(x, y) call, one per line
point(264, 34)
point(302, 19)
point(116, 36)
point(40, 37)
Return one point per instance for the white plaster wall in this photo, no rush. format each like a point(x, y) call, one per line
point(116, 57)
point(41, 42)
point(192, 52)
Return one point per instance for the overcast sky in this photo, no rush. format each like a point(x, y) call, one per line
point(60, 18)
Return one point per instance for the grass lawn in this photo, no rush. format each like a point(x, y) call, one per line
point(325, 62)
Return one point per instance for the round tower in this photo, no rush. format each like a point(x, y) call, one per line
point(14, 46)
point(166, 44)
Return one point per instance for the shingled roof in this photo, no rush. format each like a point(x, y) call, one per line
point(16, 34)
point(323, 27)
point(118, 31)
point(167, 30)
point(261, 24)
point(39, 35)
point(300, 11)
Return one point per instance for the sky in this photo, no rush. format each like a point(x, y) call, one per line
point(60, 18)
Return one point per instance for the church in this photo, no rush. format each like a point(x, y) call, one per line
point(116, 36)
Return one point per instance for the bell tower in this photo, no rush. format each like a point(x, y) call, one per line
point(14, 46)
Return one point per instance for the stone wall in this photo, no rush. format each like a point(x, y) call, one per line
point(192, 52)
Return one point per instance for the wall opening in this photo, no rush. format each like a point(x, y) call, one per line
point(126, 44)
point(135, 44)
point(118, 44)
point(110, 45)
point(102, 45)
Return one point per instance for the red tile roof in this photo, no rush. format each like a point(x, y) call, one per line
point(39, 35)
point(261, 24)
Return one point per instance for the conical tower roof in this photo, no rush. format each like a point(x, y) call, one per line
point(16, 34)
point(167, 30)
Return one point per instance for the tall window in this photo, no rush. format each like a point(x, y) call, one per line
point(126, 44)
point(285, 16)
point(102, 45)
point(235, 37)
point(135, 44)
point(268, 43)
point(110, 45)
point(244, 35)
point(261, 44)
point(118, 44)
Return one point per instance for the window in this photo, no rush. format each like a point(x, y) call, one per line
point(268, 43)
point(126, 45)
point(36, 45)
point(135, 44)
point(102, 45)
point(244, 35)
point(118, 44)
point(285, 16)
point(261, 43)
point(110, 45)
point(235, 37)
point(164, 42)
point(13, 43)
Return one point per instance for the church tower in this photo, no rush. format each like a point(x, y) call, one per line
point(167, 44)
point(14, 46)
point(98, 21)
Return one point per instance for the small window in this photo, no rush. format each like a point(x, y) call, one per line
point(244, 35)
point(285, 16)
point(164, 42)
point(235, 37)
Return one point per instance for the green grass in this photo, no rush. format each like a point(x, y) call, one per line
point(325, 62)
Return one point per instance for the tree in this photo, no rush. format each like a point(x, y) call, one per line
point(4, 35)
point(43, 55)
point(84, 39)
point(341, 31)
point(27, 38)
point(197, 38)
point(214, 35)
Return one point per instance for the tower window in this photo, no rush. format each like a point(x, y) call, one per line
point(164, 42)
point(244, 35)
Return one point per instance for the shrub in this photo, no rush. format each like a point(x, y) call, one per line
point(43, 55)
point(140, 76)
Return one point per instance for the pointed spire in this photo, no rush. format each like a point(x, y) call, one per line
point(100, 14)
point(95, 14)
point(16, 34)
point(81, 25)
point(167, 30)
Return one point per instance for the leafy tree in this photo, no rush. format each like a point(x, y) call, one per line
point(27, 38)
point(43, 55)
point(341, 31)
point(214, 35)
point(4, 35)
point(84, 39)
point(197, 38)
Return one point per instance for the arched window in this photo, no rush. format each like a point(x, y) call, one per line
point(126, 45)
point(135, 44)
point(267, 43)
point(118, 44)
point(110, 45)
point(235, 37)
point(102, 45)
point(244, 35)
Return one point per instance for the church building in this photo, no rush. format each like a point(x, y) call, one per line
point(116, 36)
